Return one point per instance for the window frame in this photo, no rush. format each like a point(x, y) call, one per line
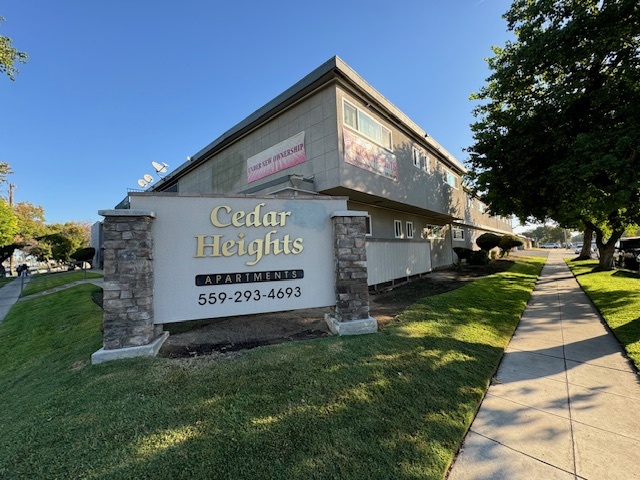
point(417, 157)
point(456, 231)
point(448, 173)
point(409, 227)
point(426, 163)
point(368, 226)
point(386, 133)
point(397, 228)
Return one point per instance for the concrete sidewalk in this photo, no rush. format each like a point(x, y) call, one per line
point(565, 402)
point(10, 293)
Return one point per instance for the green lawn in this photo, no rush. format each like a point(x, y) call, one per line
point(616, 294)
point(5, 280)
point(393, 405)
point(40, 283)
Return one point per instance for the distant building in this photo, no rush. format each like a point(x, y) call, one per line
point(333, 134)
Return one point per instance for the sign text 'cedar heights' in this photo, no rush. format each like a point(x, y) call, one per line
point(223, 216)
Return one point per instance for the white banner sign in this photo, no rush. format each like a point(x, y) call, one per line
point(366, 155)
point(274, 159)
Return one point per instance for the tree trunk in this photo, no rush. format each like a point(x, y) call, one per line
point(585, 254)
point(606, 250)
point(606, 258)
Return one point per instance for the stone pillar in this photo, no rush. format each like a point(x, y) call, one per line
point(350, 316)
point(128, 328)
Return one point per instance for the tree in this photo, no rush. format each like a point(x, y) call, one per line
point(62, 240)
point(9, 56)
point(587, 239)
point(546, 234)
point(41, 250)
point(31, 221)
point(5, 169)
point(8, 223)
point(558, 130)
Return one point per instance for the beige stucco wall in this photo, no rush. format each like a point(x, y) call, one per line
point(414, 186)
point(226, 171)
point(320, 117)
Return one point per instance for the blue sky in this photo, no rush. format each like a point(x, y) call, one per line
point(111, 86)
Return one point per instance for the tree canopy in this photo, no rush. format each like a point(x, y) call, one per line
point(9, 56)
point(8, 223)
point(31, 221)
point(546, 234)
point(62, 240)
point(558, 124)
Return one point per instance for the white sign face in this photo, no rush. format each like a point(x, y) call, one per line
point(226, 256)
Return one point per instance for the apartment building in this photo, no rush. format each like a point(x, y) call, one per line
point(332, 133)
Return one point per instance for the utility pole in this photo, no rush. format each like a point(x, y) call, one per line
point(12, 186)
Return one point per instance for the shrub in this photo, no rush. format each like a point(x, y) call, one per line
point(507, 242)
point(487, 241)
point(84, 254)
point(463, 253)
point(479, 257)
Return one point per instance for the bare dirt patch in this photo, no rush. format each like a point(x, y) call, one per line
point(224, 336)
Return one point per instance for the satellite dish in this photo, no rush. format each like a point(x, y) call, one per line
point(148, 178)
point(160, 167)
point(142, 183)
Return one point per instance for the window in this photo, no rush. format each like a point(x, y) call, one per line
point(426, 163)
point(420, 159)
point(350, 115)
point(409, 229)
point(450, 178)
point(365, 124)
point(458, 234)
point(398, 228)
point(433, 231)
point(367, 222)
point(469, 202)
point(416, 157)
point(481, 207)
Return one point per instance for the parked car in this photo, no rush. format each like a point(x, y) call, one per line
point(578, 249)
point(550, 245)
point(628, 253)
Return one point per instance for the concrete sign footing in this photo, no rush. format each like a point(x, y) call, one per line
point(149, 350)
point(352, 327)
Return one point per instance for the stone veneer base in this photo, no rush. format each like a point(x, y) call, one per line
point(352, 327)
point(149, 350)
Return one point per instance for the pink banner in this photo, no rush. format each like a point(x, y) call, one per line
point(274, 159)
point(368, 156)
